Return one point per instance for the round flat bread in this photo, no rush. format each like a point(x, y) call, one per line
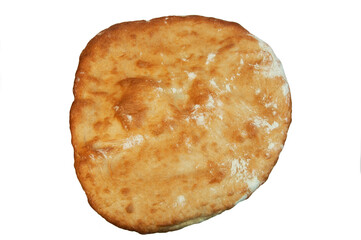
point(175, 120)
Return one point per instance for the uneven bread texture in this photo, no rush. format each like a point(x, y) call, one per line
point(175, 120)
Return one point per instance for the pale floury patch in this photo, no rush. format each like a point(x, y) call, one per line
point(275, 69)
point(210, 58)
point(133, 141)
point(271, 146)
point(191, 75)
point(260, 122)
point(253, 183)
point(180, 201)
point(285, 89)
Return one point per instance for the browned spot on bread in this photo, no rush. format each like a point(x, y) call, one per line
point(143, 64)
point(251, 130)
point(195, 138)
point(125, 191)
point(186, 33)
point(102, 125)
point(236, 136)
point(121, 168)
point(258, 152)
point(99, 93)
point(114, 70)
point(140, 222)
point(213, 71)
point(216, 172)
point(226, 48)
point(137, 83)
point(131, 109)
point(198, 93)
point(160, 127)
point(204, 148)
point(129, 208)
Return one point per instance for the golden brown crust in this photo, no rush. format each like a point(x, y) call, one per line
point(175, 120)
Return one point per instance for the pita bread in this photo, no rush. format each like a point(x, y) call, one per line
point(175, 120)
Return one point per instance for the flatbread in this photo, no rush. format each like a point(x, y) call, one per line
point(175, 120)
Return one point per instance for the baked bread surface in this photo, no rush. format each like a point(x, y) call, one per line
point(175, 120)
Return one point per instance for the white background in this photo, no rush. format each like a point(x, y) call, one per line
point(314, 191)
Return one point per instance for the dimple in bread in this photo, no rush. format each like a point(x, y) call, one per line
point(175, 120)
